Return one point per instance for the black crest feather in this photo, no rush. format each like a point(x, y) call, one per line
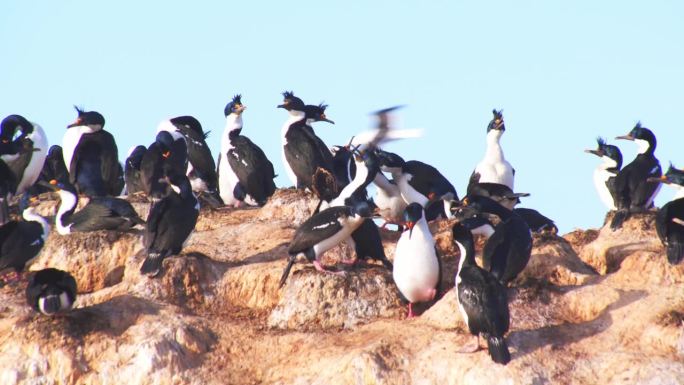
point(237, 99)
point(601, 142)
point(79, 109)
point(288, 94)
point(322, 106)
point(638, 124)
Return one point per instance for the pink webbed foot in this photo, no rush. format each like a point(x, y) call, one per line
point(320, 268)
point(431, 294)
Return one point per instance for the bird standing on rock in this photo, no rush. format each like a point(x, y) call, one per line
point(23, 146)
point(322, 232)
point(169, 223)
point(494, 168)
point(91, 156)
point(633, 190)
point(605, 173)
point(482, 299)
point(417, 269)
point(670, 217)
point(302, 153)
point(245, 173)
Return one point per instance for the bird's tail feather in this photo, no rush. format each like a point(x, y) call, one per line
point(286, 272)
point(152, 264)
point(498, 350)
point(618, 219)
point(675, 252)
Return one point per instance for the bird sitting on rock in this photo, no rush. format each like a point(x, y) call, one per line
point(51, 291)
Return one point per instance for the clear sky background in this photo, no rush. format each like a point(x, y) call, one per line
point(564, 73)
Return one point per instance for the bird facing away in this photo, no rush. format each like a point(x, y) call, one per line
point(132, 170)
point(670, 217)
point(494, 168)
point(51, 291)
point(633, 190)
point(417, 272)
point(100, 213)
point(201, 169)
point(605, 172)
point(322, 232)
point(481, 298)
point(169, 224)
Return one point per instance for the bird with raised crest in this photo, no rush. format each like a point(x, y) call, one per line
point(494, 168)
point(91, 156)
point(245, 173)
point(605, 172)
point(636, 184)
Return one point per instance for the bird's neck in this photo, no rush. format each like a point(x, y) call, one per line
point(66, 209)
point(494, 151)
point(31, 216)
point(467, 250)
point(608, 164)
point(679, 191)
point(383, 183)
point(359, 182)
point(644, 147)
point(233, 125)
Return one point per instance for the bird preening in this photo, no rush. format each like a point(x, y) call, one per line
point(356, 185)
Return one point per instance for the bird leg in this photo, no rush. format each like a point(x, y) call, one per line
point(410, 311)
point(471, 348)
point(319, 267)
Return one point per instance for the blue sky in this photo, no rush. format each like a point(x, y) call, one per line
point(564, 73)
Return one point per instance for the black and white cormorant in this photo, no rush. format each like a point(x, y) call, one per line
point(302, 153)
point(21, 241)
point(670, 217)
point(100, 213)
point(51, 291)
point(417, 271)
point(500, 193)
point(633, 191)
point(605, 173)
point(494, 168)
point(169, 224)
point(482, 299)
point(132, 170)
point(366, 239)
point(418, 182)
point(508, 249)
point(322, 232)
point(201, 166)
point(91, 156)
point(23, 146)
point(168, 154)
point(245, 173)
point(53, 168)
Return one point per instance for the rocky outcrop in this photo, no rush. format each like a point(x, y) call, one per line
point(594, 306)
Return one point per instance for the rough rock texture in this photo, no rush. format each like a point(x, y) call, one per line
point(595, 306)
